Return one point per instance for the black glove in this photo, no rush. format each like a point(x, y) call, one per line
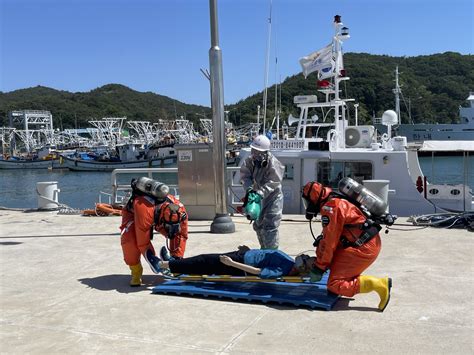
point(243, 248)
point(317, 240)
point(172, 229)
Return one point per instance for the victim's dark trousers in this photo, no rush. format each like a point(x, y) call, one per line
point(207, 264)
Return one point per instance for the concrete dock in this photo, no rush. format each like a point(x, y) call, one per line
point(64, 289)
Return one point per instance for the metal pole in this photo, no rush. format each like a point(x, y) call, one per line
point(258, 117)
point(267, 63)
point(397, 96)
point(356, 106)
point(464, 174)
point(222, 223)
point(340, 138)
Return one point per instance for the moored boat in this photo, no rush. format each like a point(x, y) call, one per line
point(30, 164)
point(95, 165)
point(128, 157)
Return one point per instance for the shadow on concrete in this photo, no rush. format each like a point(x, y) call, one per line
point(10, 243)
point(343, 305)
point(120, 283)
point(61, 235)
point(274, 305)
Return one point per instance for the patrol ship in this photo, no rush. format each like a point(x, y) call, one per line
point(329, 145)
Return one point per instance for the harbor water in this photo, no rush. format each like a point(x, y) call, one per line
point(78, 189)
point(82, 190)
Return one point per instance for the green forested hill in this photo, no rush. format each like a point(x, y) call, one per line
point(111, 100)
point(435, 85)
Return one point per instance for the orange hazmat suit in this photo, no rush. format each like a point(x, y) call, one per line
point(138, 224)
point(341, 219)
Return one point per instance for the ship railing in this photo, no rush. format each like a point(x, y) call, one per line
point(120, 190)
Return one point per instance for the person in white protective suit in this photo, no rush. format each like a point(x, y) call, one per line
point(261, 173)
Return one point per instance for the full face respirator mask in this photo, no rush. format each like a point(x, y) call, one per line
point(260, 158)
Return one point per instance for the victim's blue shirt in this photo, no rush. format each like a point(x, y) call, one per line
point(273, 263)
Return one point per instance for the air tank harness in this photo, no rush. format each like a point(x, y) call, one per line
point(369, 230)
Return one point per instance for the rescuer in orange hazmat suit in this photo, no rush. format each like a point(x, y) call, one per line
point(337, 250)
point(141, 215)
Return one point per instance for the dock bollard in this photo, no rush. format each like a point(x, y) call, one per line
point(48, 194)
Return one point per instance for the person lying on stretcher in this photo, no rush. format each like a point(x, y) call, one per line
point(266, 263)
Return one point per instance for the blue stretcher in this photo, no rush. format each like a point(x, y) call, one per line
point(313, 295)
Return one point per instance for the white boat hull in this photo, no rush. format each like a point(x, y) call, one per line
point(394, 166)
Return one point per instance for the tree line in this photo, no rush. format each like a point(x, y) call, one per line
point(433, 86)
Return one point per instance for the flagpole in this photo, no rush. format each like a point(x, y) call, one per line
point(339, 117)
point(336, 84)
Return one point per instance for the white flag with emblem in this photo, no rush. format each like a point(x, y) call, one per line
point(317, 60)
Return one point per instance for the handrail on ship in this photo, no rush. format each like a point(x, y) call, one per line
point(235, 190)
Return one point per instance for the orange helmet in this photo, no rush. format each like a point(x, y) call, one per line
point(171, 216)
point(314, 194)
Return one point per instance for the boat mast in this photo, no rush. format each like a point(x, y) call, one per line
point(277, 117)
point(267, 63)
point(341, 33)
point(397, 92)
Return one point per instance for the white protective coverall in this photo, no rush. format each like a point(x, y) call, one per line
point(266, 181)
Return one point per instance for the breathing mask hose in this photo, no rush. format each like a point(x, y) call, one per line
point(316, 239)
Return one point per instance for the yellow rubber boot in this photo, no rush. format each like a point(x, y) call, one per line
point(137, 271)
point(381, 286)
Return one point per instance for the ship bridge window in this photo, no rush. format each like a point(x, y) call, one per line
point(329, 173)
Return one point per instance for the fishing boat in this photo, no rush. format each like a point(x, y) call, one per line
point(329, 145)
point(28, 148)
point(127, 155)
point(44, 158)
point(24, 163)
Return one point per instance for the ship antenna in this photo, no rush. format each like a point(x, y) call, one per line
point(267, 63)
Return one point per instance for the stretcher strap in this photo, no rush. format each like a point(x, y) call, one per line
point(230, 278)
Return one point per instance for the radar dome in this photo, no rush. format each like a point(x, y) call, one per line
point(389, 117)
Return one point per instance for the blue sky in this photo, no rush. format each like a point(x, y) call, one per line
point(159, 46)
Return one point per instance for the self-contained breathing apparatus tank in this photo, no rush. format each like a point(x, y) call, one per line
point(151, 187)
point(352, 189)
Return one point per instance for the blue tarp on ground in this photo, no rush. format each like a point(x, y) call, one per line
point(314, 295)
